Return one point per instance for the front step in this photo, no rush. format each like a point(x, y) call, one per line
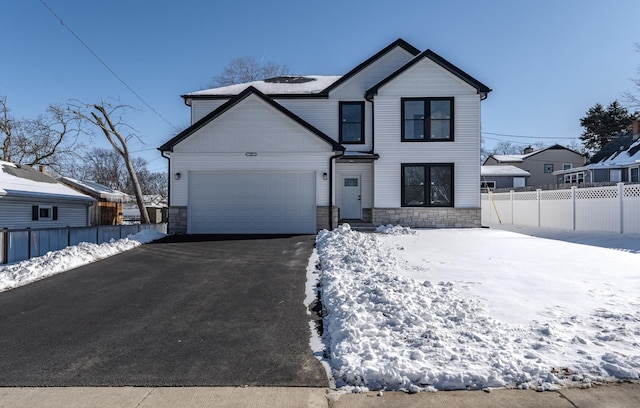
point(359, 225)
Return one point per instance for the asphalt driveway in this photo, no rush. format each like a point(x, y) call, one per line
point(184, 311)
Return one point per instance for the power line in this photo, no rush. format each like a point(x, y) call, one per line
point(105, 65)
point(527, 137)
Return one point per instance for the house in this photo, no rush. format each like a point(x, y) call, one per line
point(156, 206)
point(108, 208)
point(617, 161)
point(540, 163)
point(31, 199)
point(394, 140)
point(504, 176)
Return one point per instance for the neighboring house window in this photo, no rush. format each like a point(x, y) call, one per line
point(44, 213)
point(633, 175)
point(485, 185)
point(427, 119)
point(351, 122)
point(427, 185)
point(548, 168)
point(574, 178)
point(566, 166)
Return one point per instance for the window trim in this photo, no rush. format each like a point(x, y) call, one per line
point(484, 184)
point(340, 105)
point(544, 168)
point(36, 214)
point(427, 166)
point(427, 120)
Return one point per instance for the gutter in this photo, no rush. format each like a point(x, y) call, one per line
point(331, 159)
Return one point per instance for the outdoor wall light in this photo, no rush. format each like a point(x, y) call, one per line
point(177, 176)
point(324, 176)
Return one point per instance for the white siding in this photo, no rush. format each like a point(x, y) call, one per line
point(426, 79)
point(366, 182)
point(358, 84)
point(202, 107)
point(16, 214)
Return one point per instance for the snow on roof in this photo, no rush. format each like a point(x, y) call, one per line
point(17, 180)
point(286, 85)
point(622, 157)
point(503, 171)
point(509, 158)
point(97, 189)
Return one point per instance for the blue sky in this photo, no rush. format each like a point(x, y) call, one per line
point(546, 61)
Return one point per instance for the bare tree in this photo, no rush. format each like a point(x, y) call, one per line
point(109, 119)
point(247, 69)
point(633, 97)
point(49, 139)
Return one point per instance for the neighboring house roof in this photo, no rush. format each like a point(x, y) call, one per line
point(622, 149)
point(519, 158)
point(480, 87)
point(503, 171)
point(96, 190)
point(24, 181)
point(235, 101)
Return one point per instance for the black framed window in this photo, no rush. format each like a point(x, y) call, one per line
point(351, 122)
point(427, 119)
point(427, 185)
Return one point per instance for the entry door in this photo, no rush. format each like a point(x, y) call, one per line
point(350, 206)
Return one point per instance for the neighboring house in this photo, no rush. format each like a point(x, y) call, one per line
point(618, 161)
point(33, 199)
point(540, 163)
point(295, 154)
point(108, 209)
point(504, 176)
point(156, 206)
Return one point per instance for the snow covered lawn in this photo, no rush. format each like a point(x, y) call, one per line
point(476, 308)
point(22, 273)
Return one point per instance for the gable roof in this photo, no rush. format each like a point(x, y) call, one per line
point(168, 146)
point(519, 158)
point(24, 181)
point(480, 87)
point(397, 43)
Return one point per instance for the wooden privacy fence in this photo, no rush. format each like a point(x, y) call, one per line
point(20, 244)
point(612, 209)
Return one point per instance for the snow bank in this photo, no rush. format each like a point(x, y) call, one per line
point(54, 262)
point(384, 330)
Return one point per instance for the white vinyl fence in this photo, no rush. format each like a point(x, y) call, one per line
point(612, 209)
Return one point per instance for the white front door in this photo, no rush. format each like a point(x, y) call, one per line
point(350, 205)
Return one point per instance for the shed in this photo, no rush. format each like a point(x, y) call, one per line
point(108, 210)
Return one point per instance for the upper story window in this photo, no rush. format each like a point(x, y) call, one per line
point(427, 119)
point(351, 122)
point(548, 167)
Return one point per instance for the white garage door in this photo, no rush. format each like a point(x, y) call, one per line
point(252, 202)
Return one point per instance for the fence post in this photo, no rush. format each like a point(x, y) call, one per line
point(621, 206)
point(4, 258)
point(573, 207)
point(538, 191)
point(28, 242)
point(511, 197)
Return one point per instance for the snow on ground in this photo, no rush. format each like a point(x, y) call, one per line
point(25, 272)
point(450, 309)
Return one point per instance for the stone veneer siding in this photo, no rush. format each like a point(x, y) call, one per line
point(322, 217)
point(177, 220)
point(441, 217)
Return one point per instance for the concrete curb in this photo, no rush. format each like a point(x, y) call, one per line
point(607, 395)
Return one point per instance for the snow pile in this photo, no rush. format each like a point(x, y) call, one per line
point(54, 262)
point(394, 230)
point(397, 320)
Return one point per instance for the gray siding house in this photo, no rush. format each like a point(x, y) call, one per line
point(540, 163)
point(504, 176)
point(32, 199)
point(295, 154)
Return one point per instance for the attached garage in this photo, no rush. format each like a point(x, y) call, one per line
point(250, 202)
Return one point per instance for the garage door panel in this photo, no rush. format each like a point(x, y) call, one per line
point(252, 202)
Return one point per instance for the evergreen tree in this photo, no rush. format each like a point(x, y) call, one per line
point(601, 125)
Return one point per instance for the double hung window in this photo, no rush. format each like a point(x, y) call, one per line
point(351, 122)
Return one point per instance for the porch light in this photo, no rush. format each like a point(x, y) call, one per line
point(324, 176)
point(177, 176)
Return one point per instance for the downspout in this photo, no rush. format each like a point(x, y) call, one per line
point(168, 177)
point(331, 159)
